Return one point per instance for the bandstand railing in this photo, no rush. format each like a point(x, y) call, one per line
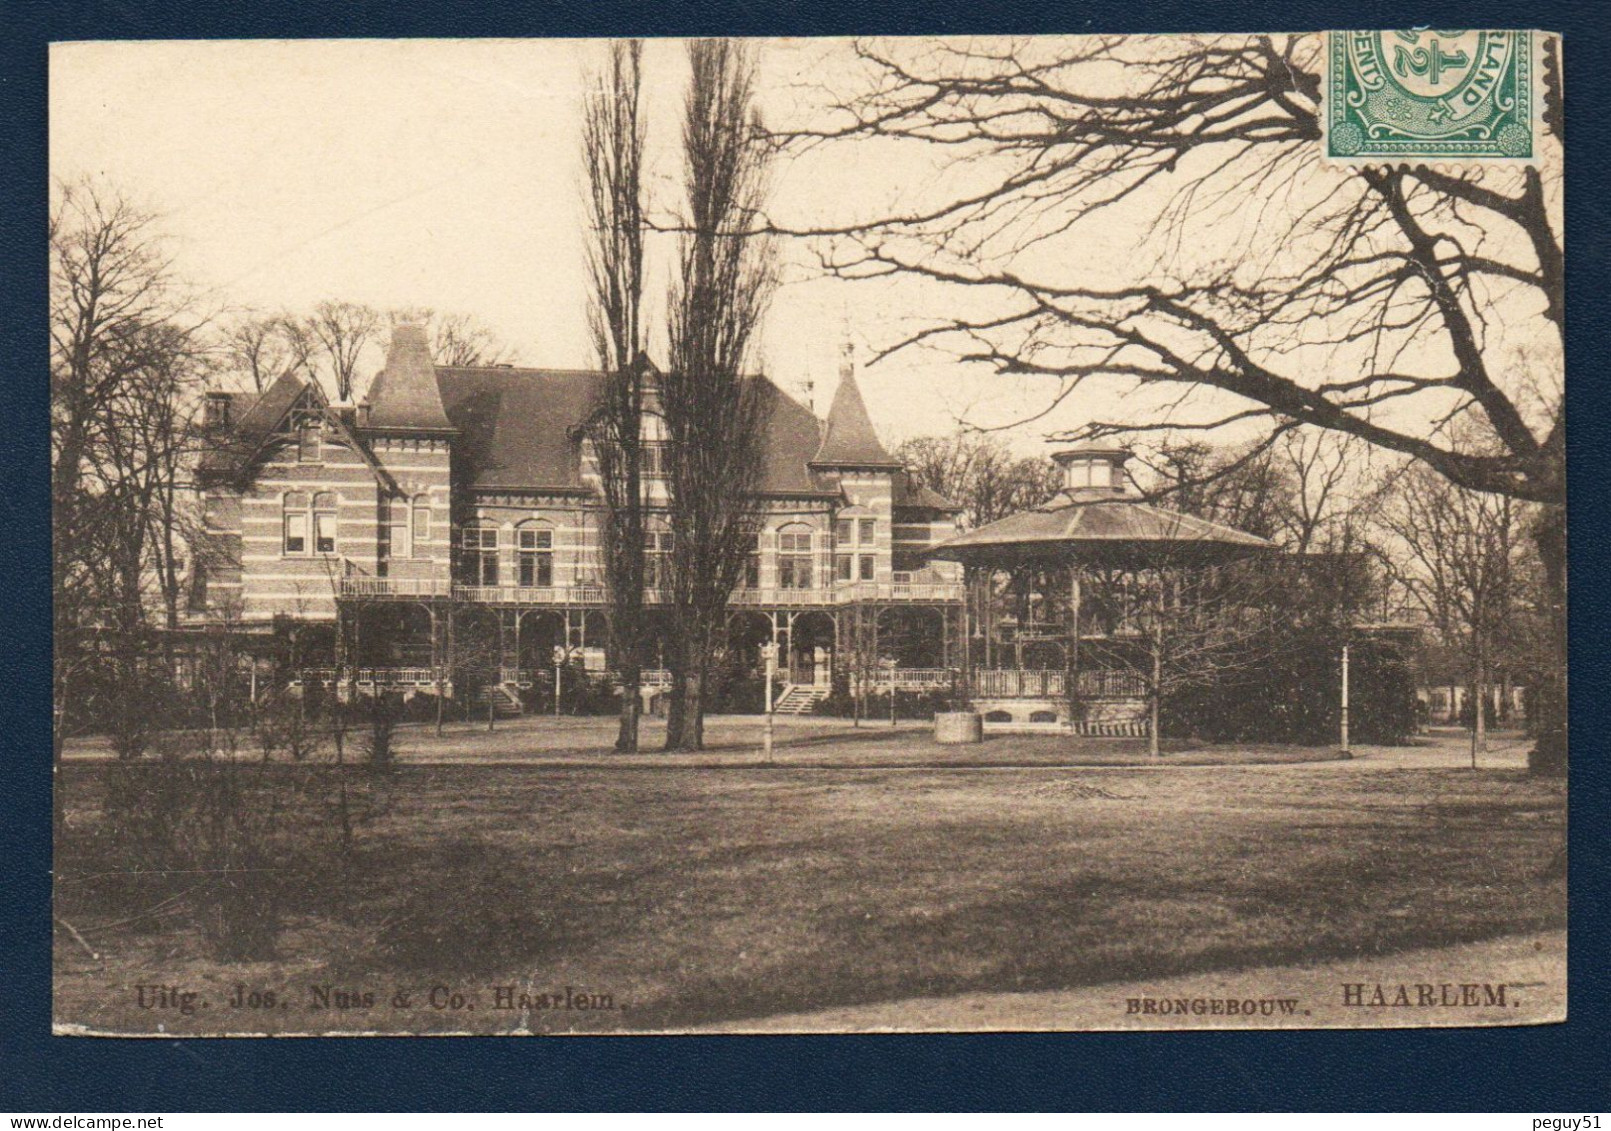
point(1030, 683)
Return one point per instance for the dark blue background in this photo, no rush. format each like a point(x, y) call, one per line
point(1558, 1068)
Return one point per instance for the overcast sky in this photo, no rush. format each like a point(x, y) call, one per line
point(446, 174)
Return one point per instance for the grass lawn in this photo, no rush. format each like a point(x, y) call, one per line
point(736, 740)
point(691, 895)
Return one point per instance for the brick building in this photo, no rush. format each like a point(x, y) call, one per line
point(372, 536)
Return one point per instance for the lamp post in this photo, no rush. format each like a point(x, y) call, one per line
point(769, 651)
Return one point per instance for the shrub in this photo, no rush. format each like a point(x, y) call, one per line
point(193, 835)
point(908, 704)
point(286, 725)
point(384, 709)
point(1293, 694)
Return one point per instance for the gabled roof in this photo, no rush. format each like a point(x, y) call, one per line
point(254, 425)
point(848, 438)
point(516, 430)
point(404, 395)
point(232, 452)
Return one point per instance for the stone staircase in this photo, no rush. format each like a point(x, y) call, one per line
point(799, 699)
point(505, 703)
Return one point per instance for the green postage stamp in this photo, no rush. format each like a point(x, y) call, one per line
point(1426, 95)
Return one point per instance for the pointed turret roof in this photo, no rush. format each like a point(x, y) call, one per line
point(404, 395)
point(847, 436)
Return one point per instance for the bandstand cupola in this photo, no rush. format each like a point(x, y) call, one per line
point(1094, 469)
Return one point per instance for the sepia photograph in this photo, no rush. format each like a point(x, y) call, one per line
point(822, 535)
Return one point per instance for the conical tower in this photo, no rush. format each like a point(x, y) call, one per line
point(848, 437)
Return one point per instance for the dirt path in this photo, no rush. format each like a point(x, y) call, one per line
point(1450, 986)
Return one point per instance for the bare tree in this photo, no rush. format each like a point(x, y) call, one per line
point(263, 348)
point(979, 473)
point(1307, 294)
point(113, 299)
point(612, 149)
point(341, 332)
point(460, 340)
point(1461, 560)
point(715, 417)
point(1174, 624)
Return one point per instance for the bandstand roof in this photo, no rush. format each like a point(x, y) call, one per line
point(1101, 528)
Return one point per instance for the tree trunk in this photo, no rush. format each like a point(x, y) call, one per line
point(677, 700)
point(1549, 755)
point(626, 739)
point(1479, 704)
point(685, 721)
point(694, 726)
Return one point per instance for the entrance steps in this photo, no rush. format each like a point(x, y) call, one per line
point(799, 699)
point(505, 703)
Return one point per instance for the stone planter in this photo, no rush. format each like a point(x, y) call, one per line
point(957, 728)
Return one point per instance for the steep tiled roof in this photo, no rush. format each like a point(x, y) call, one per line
point(516, 429)
point(404, 394)
point(908, 492)
point(848, 437)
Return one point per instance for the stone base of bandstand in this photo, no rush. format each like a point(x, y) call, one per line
point(1102, 718)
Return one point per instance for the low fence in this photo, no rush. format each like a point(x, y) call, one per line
point(374, 677)
point(586, 594)
point(988, 683)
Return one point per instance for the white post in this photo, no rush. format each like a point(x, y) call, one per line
point(770, 651)
point(892, 692)
point(1344, 716)
point(559, 673)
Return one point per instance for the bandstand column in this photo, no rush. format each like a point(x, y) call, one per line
point(966, 651)
point(1073, 629)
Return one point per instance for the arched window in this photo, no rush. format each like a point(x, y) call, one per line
point(422, 524)
point(325, 517)
point(296, 522)
point(478, 558)
point(535, 556)
point(794, 558)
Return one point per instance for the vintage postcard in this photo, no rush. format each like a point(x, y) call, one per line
point(918, 534)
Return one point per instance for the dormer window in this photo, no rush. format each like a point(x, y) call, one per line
point(310, 444)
